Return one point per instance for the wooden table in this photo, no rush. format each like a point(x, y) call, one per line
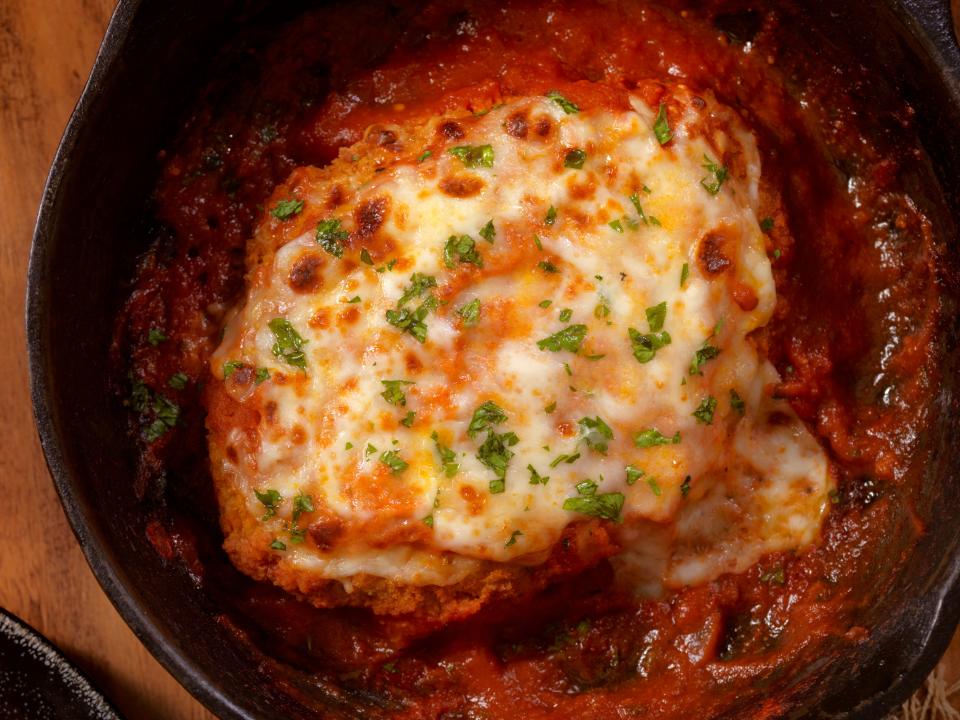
point(46, 50)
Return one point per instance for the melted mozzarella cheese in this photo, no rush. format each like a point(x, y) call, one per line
point(718, 489)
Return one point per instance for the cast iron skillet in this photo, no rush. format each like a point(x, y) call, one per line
point(84, 247)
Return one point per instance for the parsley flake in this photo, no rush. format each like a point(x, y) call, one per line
point(719, 175)
point(568, 107)
point(488, 232)
point(684, 274)
point(701, 356)
point(485, 417)
point(495, 453)
point(575, 159)
point(178, 381)
point(393, 393)
point(473, 156)
point(155, 336)
point(652, 437)
point(461, 248)
point(448, 458)
point(470, 313)
point(392, 459)
point(551, 217)
point(633, 474)
point(661, 126)
point(330, 236)
point(596, 433)
point(271, 500)
point(605, 505)
point(569, 339)
point(286, 209)
point(289, 344)
point(513, 538)
point(536, 478)
point(736, 402)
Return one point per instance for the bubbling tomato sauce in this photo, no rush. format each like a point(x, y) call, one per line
point(852, 337)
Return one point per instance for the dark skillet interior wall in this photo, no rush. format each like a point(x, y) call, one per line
point(96, 239)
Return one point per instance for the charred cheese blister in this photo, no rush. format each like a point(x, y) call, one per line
point(483, 331)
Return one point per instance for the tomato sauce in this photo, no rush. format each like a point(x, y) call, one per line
point(852, 337)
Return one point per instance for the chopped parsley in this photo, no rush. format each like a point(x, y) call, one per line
point(685, 486)
point(473, 156)
point(588, 502)
point(408, 419)
point(545, 303)
point(652, 437)
point(596, 433)
point(513, 538)
point(568, 107)
point(412, 321)
point(365, 257)
point(633, 474)
point(705, 410)
point(495, 453)
point(566, 314)
point(536, 241)
point(394, 393)
point(575, 159)
point(661, 126)
point(330, 236)
point(547, 266)
point(278, 544)
point(602, 309)
point(656, 316)
point(568, 459)
point(392, 459)
point(485, 417)
point(230, 367)
point(428, 520)
point(286, 209)
point(470, 313)
point(551, 216)
point(616, 225)
point(645, 346)
point(569, 339)
point(271, 500)
point(166, 415)
point(448, 458)
point(155, 336)
point(419, 284)
point(549, 409)
point(178, 381)
point(635, 200)
point(654, 486)
point(718, 175)
point(488, 232)
point(774, 576)
point(736, 402)
point(461, 248)
point(766, 224)
point(261, 375)
point(289, 344)
point(684, 274)
point(354, 300)
point(370, 449)
point(704, 354)
point(301, 504)
point(536, 478)
point(424, 155)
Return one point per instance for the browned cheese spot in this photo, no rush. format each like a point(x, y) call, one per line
point(349, 316)
point(461, 186)
point(543, 127)
point(326, 532)
point(451, 130)
point(475, 500)
point(369, 216)
point(712, 253)
point(304, 275)
point(516, 125)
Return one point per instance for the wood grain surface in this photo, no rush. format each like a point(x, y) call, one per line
point(46, 50)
